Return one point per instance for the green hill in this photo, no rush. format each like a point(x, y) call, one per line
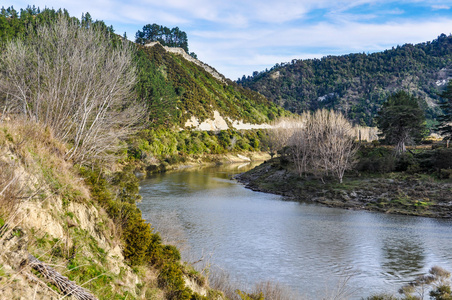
point(194, 89)
point(358, 83)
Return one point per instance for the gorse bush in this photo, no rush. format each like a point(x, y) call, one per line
point(142, 246)
point(375, 160)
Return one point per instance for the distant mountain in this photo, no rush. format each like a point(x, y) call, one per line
point(357, 84)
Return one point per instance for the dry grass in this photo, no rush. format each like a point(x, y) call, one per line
point(222, 281)
point(24, 142)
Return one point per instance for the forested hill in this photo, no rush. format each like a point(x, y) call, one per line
point(170, 79)
point(357, 84)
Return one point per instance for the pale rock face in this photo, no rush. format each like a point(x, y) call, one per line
point(219, 123)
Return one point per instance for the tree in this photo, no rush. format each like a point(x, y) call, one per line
point(445, 121)
point(279, 135)
point(401, 120)
point(168, 37)
point(323, 144)
point(77, 81)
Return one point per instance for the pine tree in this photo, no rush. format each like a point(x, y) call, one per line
point(401, 120)
point(445, 120)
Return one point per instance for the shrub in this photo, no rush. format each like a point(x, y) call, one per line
point(171, 279)
point(137, 237)
point(376, 160)
point(406, 161)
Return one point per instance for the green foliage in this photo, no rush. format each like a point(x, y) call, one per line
point(137, 236)
point(401, 120)
point(438, 281)
point(200, 94)
point(171, 279)
point(174, 146)
point(358, 83)
point(375, 160)
point(442, 292)
point(445, 120)
point(167, 37)
point(15, 24)
point(247, 296)
point(155, 91)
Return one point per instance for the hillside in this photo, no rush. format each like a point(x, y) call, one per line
point(357, 84)
point(198, 93)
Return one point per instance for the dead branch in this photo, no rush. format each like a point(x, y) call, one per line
point(63, 283)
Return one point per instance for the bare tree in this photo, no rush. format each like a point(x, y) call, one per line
point(280, 134)
point(74, 80)
point(322, 143)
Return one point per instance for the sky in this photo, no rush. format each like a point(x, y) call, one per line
point(240, 37)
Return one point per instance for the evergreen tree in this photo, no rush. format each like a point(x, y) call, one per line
point(167, 37)
point(445, 120)
point(401, 120)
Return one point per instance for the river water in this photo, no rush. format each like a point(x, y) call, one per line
point(259, 237)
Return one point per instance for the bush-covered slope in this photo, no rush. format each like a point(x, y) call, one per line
point(172, 87)
point(357, 84)
point(199, 93)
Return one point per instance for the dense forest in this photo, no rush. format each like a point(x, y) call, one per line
point(357, 84)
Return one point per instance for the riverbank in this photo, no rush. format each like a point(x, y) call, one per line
point(205, 160)
point(396, 193)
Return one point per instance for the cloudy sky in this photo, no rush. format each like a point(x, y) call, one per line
point(239, 37)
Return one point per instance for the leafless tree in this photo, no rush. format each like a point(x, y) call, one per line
point(280, 134)
point(74, 80)
point(321, 143)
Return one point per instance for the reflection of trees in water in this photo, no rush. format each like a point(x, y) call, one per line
point(196, 179)
point(403, 257)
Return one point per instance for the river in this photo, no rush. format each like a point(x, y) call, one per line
point(259, 237)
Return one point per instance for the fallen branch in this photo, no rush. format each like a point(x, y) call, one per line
point(63, 283)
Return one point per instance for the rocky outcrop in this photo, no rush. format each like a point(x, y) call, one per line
point(219, 123)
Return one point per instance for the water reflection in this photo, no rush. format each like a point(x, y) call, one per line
point(402, 257)
point(258, 237)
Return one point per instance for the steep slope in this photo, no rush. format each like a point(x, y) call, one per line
point(60, 216)
point(357, 84)
point(46, 211)
point(202, 94)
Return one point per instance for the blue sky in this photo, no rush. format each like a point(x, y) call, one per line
point(239, 37)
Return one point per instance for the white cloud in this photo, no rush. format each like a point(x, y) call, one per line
point(238, 37)
point(438, 7)
point(260, 49)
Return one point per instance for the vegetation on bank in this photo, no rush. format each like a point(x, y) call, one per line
point(78, 127)
point(414, 184)
point(158, 148)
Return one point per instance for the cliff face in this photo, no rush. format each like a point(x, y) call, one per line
point(46, 212)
